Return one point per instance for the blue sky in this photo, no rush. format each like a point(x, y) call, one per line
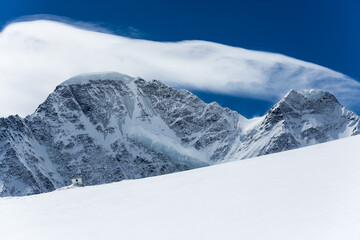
point(323, 32)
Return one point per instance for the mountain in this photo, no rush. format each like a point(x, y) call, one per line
point(108, 127)
point(307, 193)
point(299, 119)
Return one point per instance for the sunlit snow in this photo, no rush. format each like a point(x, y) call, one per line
point(308, 193)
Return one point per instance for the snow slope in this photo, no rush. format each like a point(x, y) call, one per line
point(308, 193)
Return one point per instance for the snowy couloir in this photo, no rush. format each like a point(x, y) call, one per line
point(106, 127)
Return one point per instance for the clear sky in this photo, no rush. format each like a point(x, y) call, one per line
point(323, 32)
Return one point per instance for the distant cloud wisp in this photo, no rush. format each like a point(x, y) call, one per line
point(35, 56)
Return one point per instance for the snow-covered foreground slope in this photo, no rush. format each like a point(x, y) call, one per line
point(308, 193)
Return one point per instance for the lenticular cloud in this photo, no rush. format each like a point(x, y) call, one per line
point(35, 56)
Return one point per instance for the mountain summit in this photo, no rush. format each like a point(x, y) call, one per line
point(107, 127)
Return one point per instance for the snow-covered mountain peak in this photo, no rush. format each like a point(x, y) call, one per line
point(312, 93)
point(308, 99)
point(107, 127)
point(88, 77)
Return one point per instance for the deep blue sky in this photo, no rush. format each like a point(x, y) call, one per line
point(326, 32)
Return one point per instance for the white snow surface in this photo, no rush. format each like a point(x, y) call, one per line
point(308, 193)
point(87, 77)
point(312, 93)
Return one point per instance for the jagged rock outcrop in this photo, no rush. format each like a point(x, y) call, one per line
point(109, 127)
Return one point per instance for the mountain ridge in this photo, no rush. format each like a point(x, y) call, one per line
point(107, 130)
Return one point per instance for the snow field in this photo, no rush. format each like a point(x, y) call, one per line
point(307, 193)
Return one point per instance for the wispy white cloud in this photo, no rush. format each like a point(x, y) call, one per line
point(35, 56)
point(101, 27)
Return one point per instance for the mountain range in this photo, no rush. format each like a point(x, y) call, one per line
point(106, 127)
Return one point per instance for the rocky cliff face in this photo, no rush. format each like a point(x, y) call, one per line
point(111, 127)
point(299, 119)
